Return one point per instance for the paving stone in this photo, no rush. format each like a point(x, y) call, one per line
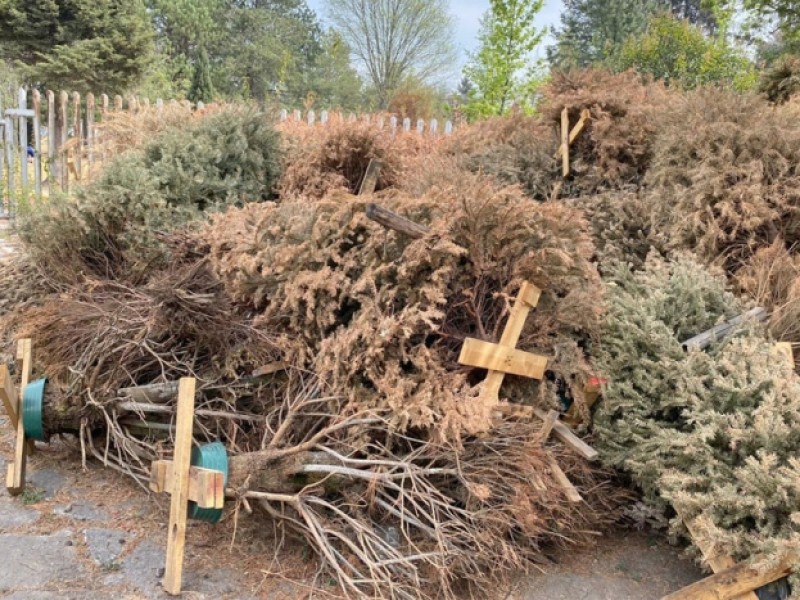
point(48, 480)
point(105, 545)
point(34, 561)
point(213, 584)
point(13, 515)
point(144, 568)
point(81, 511)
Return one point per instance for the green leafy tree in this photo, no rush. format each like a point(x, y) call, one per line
point(83, 45)
point(592, 31)
point(680, 53)
point(333, 82)
point(501, 70)
point(202, 89)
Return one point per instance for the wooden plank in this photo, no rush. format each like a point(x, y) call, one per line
point(716, 560)
point(90, 130)
point(569, 490)
point(77, 126)
point(206, 487)
point(37, 143)
point(396, 222)
point(566, 435)
point(179, 486)
point(527, 298)
point(565, 142)
point(270, 368)
point(8, 394)
point(15, 478)
point(494, 357)
point(733, 582)
point(548, 424)
point(22, 97)
point(370, 180)
point(63, 98)
point(576, 131)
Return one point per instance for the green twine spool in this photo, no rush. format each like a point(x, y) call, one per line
point(209, 456)
point(32, 400)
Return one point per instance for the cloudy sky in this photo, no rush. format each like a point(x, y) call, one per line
point(468, 14)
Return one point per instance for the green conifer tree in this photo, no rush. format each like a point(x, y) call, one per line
point(83, 45)
point(202, 89)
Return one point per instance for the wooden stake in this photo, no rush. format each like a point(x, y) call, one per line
point(565, 141)
point(576, 131)
point(733, 582)
point(8, 393)
point(572, 494)
point(179, 487)
point(370, 180)
point(494, 357)
point(396, 222)
point(548, 424)
point(15, 477)
point(206, 486)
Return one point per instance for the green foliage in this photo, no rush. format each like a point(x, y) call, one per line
point(713, 434)
point(202, 89)
point(83, 45)
point(680, 54)
point(508, 37)
point(111, 225)
point(592, 31)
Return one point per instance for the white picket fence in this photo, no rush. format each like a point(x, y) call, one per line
point(380, 121)
point(52, 143)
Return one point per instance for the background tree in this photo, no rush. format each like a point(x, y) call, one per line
point(83, 45)
point(501, 70)
point(592, 31)
point(202, 89)
point(396, 39)
point(681, 54)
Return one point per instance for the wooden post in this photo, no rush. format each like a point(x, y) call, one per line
point(15, 478)
point(370, 180)
point(117, 103)
point(179, 486)
point(63, 98)
point(37, 143)
point(8, 394)
point(9, 135)
point(52, 142)
point(23, 140)
point(77, 126)
point(565, 141)
point(90, 130)
point(3, 210)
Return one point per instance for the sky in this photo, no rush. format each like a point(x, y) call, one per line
point(468, 14)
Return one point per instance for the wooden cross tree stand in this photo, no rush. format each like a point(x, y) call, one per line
point(185, 483)
point(12, 402)
point(504, 358)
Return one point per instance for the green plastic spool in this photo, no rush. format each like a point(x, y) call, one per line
point(209, 456)
point(32, 399)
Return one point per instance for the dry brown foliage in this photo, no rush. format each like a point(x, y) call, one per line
point(121, 131)
point(771, 277)
point(515, 149)
point(383, 317)
point(616, 146)
point(724, 178)
point(334, 156)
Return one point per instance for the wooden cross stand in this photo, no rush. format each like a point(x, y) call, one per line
point(504, 358)
point(12, 402)
point(185, 483)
